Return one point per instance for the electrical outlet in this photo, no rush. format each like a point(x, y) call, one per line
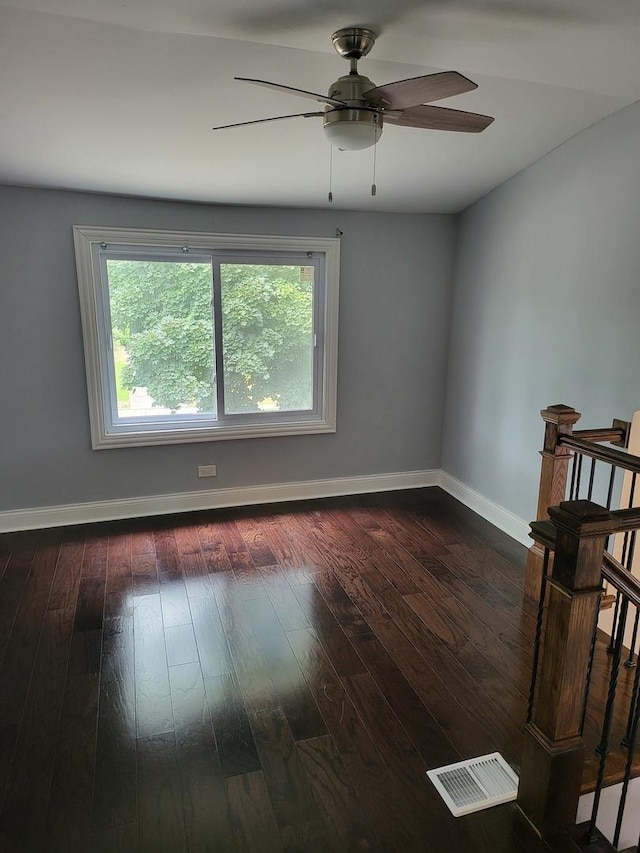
point(206, 471)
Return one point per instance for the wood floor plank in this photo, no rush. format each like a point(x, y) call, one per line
point(180, 642)
point(213, 650)
point(296, 812)
point(96, 549)
point(345, 610)
point(291, 690)
point(22, 645)
point(204, 803)
point(277, 581)
point(142, 539)
point(144, 572)
point(161, 819)
point(116, 839)
point(506, 734)
point(493, 568)
point(174, 600)
point(118, 560)
point(371, 779)
point(245, 649)
point(426, 734)
point(213, 550)
point(309, 559)
point(339, 649)
point(195, 574)
point(234, 738)
point(488, 613)
point(114, 800)
point(17, 567)
point(282, 547)
point(456, 720)
point(486, 661)
point(472, 578)
point(252, 820)
point(240, 558)
point(441, 599)
point(335, 795)
point(24, 811)
point(255, 541)
point(405, 766)
point(153, 696)
point(187, 539)
point(166, 549)
point(70, 805)
point(89, 612)
point(271, 678)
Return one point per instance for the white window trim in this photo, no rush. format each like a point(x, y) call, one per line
point(90, 292)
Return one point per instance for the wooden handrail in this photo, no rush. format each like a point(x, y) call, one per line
point(616, 435)
point(619, 458)
point(544, 532)
point(621, 579)
point(626, 519)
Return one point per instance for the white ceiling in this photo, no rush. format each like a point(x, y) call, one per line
point(120, 96)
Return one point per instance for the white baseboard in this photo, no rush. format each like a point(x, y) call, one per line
point(504, 519)
point(111, 510)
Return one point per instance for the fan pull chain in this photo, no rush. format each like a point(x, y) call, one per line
point(374, 189)
point(330, 174)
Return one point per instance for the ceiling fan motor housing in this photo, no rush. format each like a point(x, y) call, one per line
point(358, 125)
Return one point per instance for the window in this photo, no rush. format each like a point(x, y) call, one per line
point(194, 337)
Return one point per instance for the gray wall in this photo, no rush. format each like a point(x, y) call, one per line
point(546, 308)
point(394, 320)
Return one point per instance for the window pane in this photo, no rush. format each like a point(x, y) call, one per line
point(162, 334)
point(267, 334)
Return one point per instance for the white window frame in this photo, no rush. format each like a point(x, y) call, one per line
point(108, 430)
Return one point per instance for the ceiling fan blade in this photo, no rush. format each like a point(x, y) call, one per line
point(420, 90)
point(325, 99)
point(261, 120)
point(441, 118)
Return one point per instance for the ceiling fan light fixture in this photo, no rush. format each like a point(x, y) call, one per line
point(352, 130)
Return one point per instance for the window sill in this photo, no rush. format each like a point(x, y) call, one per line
point(146, 437)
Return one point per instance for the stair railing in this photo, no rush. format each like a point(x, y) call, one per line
point(575, 542)
point(562, 446)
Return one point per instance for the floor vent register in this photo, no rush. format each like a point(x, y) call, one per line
point(476, 784)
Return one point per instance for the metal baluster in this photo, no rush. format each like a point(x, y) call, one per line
point(578, 477)
point(536, 644)
point(631, 746)
point(612, 478)
point(592, 652)
point(632, 708)
point(591, 474)
point(574, 463)
point(630, 662)
point(615, 623)
point(627, 552)
point(603, 747)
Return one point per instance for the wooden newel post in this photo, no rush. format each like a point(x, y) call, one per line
point(553, 753)
point(559, 420)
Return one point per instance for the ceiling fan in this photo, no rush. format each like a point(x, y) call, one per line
point(355, 108)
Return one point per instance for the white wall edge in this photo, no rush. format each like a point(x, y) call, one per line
point(112, 510)
point(507, 521)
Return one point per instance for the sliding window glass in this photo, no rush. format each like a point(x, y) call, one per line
point(195, 337)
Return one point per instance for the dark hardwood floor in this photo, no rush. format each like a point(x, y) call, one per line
point(262, 679)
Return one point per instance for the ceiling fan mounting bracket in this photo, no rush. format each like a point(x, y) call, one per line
point(353, 42)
